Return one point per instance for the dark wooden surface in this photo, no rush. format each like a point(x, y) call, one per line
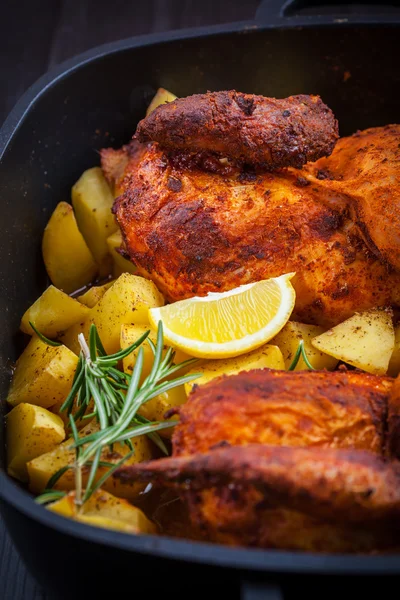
point(35, 36)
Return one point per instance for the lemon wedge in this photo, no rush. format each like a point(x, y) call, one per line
point(231, 323)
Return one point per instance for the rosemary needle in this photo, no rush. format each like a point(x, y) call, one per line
point(300, 352)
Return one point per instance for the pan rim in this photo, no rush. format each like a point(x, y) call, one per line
point(260, 560)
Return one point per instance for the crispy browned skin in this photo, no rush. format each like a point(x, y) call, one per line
point(253, 129)
point(114, 162)
point(308, 498)
point(246, 480)
point(343, 409)
point(365, 171)
point(193, 231)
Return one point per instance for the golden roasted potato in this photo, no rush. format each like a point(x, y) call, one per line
point(70, 337)
point(67, 258)
point(92, 200)
point(104, 510)
point(43, 374)
point(365, 340)
point(161, 97)
point(129, 335)
point(288, 340)
point(53, 312)
point(120, 264)
point(31, 431)
point(267, 356)
point(155, 409)
point(43, 467)
point(94, 294)
point(126, 302)
point(80, 424)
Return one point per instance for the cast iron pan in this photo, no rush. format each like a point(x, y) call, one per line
point(51, 136)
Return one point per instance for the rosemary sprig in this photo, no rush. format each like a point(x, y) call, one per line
point(300, 352)
point(117, 398)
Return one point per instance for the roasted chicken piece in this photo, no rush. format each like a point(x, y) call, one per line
point(340, 409)
point(286, 460)
point(364, 174)
point(252, 129)
point(194, 222)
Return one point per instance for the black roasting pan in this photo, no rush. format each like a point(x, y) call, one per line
point(51, 136)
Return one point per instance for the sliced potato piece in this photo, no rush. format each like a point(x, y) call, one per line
point(120, 264)
point(288, 340)
point(105, 510)
point(94, 294)
point(70, 337)
point(53, 312)
point(155, 409)
point(43, 467)
point(64, 416)
point(267, 356)
point(92, 200)
point(68, 260)
point(365, 340)
point(394, 364)
point(43, 374)
point(129, 335)
point(161, 97)
point(31, 431)
point(126, 302)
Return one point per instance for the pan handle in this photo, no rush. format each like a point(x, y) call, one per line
point(260, 590)
point(270, 12)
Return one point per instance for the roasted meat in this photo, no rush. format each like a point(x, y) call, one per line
point(286, 460)
point(343, 409)
point(251, 129)
point(364, 174)
point(193, 231)
point(286, 497)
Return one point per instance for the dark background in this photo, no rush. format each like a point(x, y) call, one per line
point(37, 35)
point(34, 37)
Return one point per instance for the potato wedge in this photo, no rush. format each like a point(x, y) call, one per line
point(267, 356)
point(126, 302)
point(94, 294)
point(288, 340)
point(365, 340)
point(155, 409)
point(70, 337)
point(64, 416)
point(394, 364)
point(43, 374)
point(92, 200)
point(129, 335)
point(53, 313)
point(104, 510)
point(161, 97)
point(31, 431)
point(120, 264)
point(43, 467)
point(67, 258)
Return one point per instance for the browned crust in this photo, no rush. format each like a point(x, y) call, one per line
point(365, 170)
point(253, 129)
point(193, 231)
point(345, 485)
point(343, 409)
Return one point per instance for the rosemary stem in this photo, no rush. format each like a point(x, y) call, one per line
point(84, 346)
point(78, 486)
